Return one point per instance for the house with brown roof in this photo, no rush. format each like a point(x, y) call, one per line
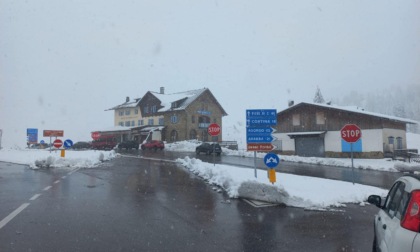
point(171, 117)
point(313, 129)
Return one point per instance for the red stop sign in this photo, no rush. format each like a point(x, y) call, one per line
point(214, 129)
point(95, 135)
point(57, 143)
point(351, 133)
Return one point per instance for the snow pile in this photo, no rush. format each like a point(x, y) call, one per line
point(36, 159)
point(291, 190)
point(384, 164)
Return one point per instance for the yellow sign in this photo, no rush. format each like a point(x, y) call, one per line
point(272, 175)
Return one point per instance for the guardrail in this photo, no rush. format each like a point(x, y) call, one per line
point(233, 145)
point(407, 154)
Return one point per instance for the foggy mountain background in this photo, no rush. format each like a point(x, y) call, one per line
point(397, 101)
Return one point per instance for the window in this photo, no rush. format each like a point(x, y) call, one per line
point(296, 120)
point(174, 119)
point(399, 143)
point(146, 109)
point(161, 121)
point(320, 118)
point(391, 140)
point(127, 124)
point(154, 109)
point(120, 113)
point(121, 123)
point(127, 112)
point(136, 111)
point(151, 121)
point(139, 122)
point(393, 200)
point(132, 123)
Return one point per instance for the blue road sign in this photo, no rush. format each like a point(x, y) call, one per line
point(271, 160)
point(261, 113)
point(261, 117)
point(260, 139)
point(256, 131)
point(42, 142)
point(68, 143)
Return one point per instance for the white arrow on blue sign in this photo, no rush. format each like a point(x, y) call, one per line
point(271, 160)
point(68, 143)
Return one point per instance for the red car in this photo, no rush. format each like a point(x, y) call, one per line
point(153, 145)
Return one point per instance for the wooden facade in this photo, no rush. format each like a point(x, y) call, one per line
point(314, 129)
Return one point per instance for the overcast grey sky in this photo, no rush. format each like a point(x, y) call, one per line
point(62, 63)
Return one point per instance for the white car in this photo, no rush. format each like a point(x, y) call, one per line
point(397, 224)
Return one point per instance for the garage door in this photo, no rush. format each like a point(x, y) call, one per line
point(310, 146)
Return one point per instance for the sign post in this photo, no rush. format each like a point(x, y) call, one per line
point(351, 133)
point(259, 131)
point(271, 160)
point(214, 130)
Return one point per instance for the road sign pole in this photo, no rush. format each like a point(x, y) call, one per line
point(255, 164)
point(352, 165)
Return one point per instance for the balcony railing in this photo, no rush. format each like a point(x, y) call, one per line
point(203, 125)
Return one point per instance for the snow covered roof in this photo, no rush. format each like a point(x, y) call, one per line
point(353, 109)
point(127, 104)
point(184, 98)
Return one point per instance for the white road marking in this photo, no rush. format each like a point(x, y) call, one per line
point(47, 188)
point(75, 170)
point(35, 196)
point(13, 215)
point(64, 177)
point(57, 181)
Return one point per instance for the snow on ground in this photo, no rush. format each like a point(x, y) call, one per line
point(292, 190)
point(385, 164)
point(36, 159)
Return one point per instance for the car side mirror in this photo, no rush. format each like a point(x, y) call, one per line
point(375, 200)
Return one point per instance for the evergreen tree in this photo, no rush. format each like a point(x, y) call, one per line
point(318, 96)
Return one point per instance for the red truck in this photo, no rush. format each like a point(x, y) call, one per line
point(104, 142)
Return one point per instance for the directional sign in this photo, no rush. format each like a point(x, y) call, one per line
point(57, 143)
point(351, 133)
point(260, 139)
point(53, 133)
point(68, 144)
point(259, 130)
point(261, 117)
point(260, 147)
point(271, 160)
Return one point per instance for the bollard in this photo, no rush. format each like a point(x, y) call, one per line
point(63, 153)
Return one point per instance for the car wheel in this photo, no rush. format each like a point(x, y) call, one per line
point(374, 245)
point(142, 147)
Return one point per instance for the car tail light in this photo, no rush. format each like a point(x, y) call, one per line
point(411, 220)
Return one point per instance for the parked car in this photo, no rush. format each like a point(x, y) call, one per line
point(153, 145)
point(397, 224)
point(130, 144)
point(81, 146)
point(208, 148)
point(104, 142)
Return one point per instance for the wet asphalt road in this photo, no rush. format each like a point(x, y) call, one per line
point(135, 204)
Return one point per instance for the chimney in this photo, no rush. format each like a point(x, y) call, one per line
point(291, 103)
point(162, 90)
point(127, 99)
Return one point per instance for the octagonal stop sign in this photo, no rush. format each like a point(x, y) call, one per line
point(351, 133)
point(214, 129)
